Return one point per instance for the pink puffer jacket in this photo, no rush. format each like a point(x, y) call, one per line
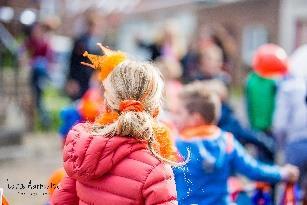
point(112, 171)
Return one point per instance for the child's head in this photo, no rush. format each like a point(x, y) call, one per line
point(170, 68)
point(133, 97)
point(199, 106)
point(211, 60)
point(137, 81)
point(218, 87)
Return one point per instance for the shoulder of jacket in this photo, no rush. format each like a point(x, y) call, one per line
point(145, 156)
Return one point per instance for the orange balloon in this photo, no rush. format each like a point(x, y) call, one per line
point(55, 179)
point(270, 61)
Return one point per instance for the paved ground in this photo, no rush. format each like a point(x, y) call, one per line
point(34, 161)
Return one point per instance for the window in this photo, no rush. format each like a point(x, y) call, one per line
point(252, 38)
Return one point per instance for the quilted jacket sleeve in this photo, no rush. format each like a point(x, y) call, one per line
point(160, 187)
point(65, 194)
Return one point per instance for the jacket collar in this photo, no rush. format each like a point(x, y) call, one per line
point(202, 131)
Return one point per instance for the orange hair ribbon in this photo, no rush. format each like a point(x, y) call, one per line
point(164, 144)
point(131, 105)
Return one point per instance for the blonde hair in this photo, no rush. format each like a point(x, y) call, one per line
point(133, 80)
point(141, 81)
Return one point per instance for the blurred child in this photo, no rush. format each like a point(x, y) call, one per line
point(215, 154)
point(40, 55)
point(290, 118)
point(230, 123)
point(211, 64)
point(269, 62)
point(171, 71)
point(86, 109)
point(168, 43)
point(119, 159)
point(260, 109)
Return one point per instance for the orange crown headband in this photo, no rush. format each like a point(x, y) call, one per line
point(106, 63)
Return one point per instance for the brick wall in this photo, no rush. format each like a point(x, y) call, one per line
point(239, 15)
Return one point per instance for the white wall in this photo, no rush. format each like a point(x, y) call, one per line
point(147, 28)
point(290, 11)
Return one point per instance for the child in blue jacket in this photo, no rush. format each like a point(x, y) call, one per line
point(215, 154)
point(229, 122)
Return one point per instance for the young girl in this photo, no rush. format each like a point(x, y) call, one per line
point(125, 157)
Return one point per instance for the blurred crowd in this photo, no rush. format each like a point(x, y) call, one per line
point(275, 90)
